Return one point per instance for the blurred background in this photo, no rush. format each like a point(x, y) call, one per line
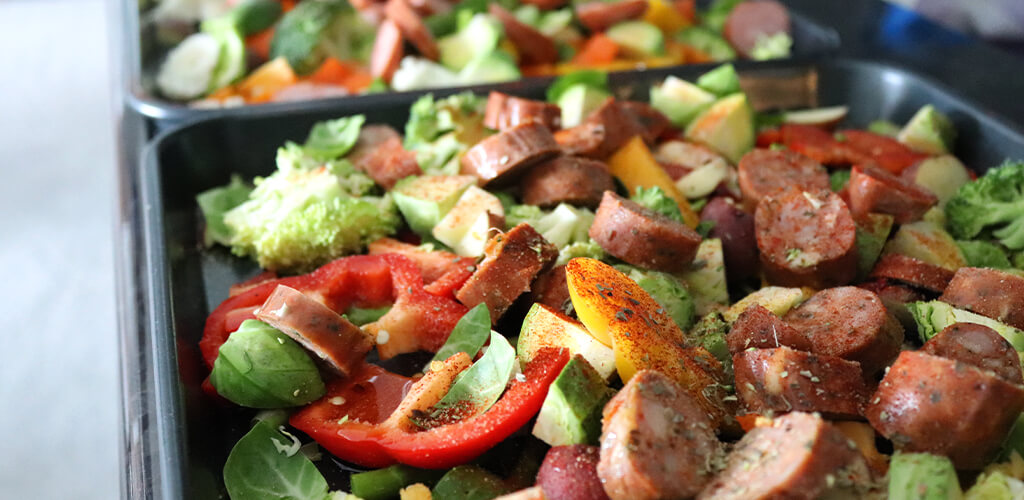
point(59, 371)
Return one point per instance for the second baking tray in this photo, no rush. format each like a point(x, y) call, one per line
point(184, 437)
point(143, 55)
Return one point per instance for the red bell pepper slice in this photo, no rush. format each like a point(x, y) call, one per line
point(887, 152)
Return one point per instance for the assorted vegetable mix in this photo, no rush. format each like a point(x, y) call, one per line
point(593, 298)
point(231, 52)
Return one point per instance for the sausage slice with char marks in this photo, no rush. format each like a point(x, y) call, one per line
point(411, 25)
point(757, 327)
point(806, 238)
point(567, 179)
point(651, 122)
point(533, 46)
point(379, 153)
point(850, 323)
point(767, 172)
point(600, 15)
point(874, 190)
point(504, 111)
point(656, 441)
point(977, 345)
point(322, 331)
point(936, 405)
point(780, 380)
point(603, 132)
point(502, 155)
point(388, 49)
point(988, 292)
point(792, 458)
point(552, 290)
point(912, 271)
point(511, 261)
point(750, 21)
point(643, 237)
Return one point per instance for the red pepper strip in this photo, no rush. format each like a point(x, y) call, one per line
point(460, 442)
point(451, 281)
point(370, 445)
point(419, 320)
point(887, 152)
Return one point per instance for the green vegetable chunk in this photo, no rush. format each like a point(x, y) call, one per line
point(984, 254)
point(252, 16)
point(709, 333)
point(266, 463)
point(595, 79)
point(384, 484)
point(872, 232)
point(478, 38)
point(571, 413)
point(707, 41)
point(214, 203)
point(775, 46)
point(469, 334)
point(656, 199)
point(717, 11)
point(638, 38)
point(361, 316)
point(721, 81)
point(260, 367)
point(993, 203)
point(931, 317)
point(995, 486)
point(469, 482)
point(440, 130)
point(839, 179)
point(922, 476)
point(929, 131)
point(667, 290)
point(331, 139)
point(680, 100)
point(297, 37)
point(884, 127)
point(477, 388)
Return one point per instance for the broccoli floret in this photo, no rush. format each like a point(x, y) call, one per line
point(709, 333)
point(298, 36)
point(667, 290)
point(656, 199)
point(775, 46)
point(993, 203)
point(589, 249)
point(984, 254)
point(439, 131)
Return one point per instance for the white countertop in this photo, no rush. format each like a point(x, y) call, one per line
point(58, 367)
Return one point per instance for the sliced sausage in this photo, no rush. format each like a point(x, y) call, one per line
point(896, 296)
point(316, 327)
point(780, 380)
point(379, 153)
point(656, 441)
point(881, 150)
point(750, 21)
point(643, 237)
point(850, 323)
point(798, 456)
point(570, 473)
point(533, 47)
point(567, 179)
point(552, 290)
point(388, 49)
point(511, 261)
point(757, 327)
point(873, 190)
point(546, 4)
point(411, 25)
point(505, 111)
point(735, 228)
point(432, 264)
point(806, 238)
point(502, 155)
point(600, 15)
point(768, 172)
point(988, 292)
point(651, 122)
point(936, 405)
point(914, 272)
point(977, 345)
point(604, 131)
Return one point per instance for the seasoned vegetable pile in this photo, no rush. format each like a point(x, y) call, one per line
point(586, 297)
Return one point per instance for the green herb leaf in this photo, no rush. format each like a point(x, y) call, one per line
point(469, 334)
point(480, 386)
point(216, 202)
point(331, 139)
point(266, 463)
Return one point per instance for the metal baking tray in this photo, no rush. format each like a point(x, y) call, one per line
point(177, 439)
point(143, 55)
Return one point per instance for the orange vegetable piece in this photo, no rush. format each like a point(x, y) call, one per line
point(263, 83)
point(598, 49)
point(259, 43)
point(331, 71)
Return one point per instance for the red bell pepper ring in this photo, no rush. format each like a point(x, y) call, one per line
point(442, 447)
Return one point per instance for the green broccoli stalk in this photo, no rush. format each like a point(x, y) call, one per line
point(667, 290)
point(995, 203)
point(656, 199)
point(439, 131)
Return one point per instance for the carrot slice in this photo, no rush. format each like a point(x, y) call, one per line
point(598, 49)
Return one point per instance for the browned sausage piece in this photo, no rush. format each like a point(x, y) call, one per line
point(988, 292)
point(322, 331)
point(601, 15)
point(388, 49)
point(930, 404)
point(409, 23)
point(643, 237)
point(874, 190)
point(552, 290)
point(780, 380)
point(532, 46)
point(806, 238)
point(757, 327)
point(546, 4)
point(736, 230)
point(380, 154)
point(567, 179)
point(500, 156)
point(977, 345)
point(796, 457)
point(511, 261)
point(914, 272)
point(850, 323)
point(651, 122)
point(604, 131)
point(749, 21)
point(767, 172)
point(504, 112)
point(656, 441)
point(570, 473)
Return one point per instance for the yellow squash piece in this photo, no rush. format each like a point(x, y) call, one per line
point(635, 166)
point(266, 80)
point(665, 16)
point(642, 334)
point(776, 299)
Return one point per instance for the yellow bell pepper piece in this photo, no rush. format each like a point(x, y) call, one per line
point(665, 16)
point(266, 80)
point(643, 336)
point(635, 166)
